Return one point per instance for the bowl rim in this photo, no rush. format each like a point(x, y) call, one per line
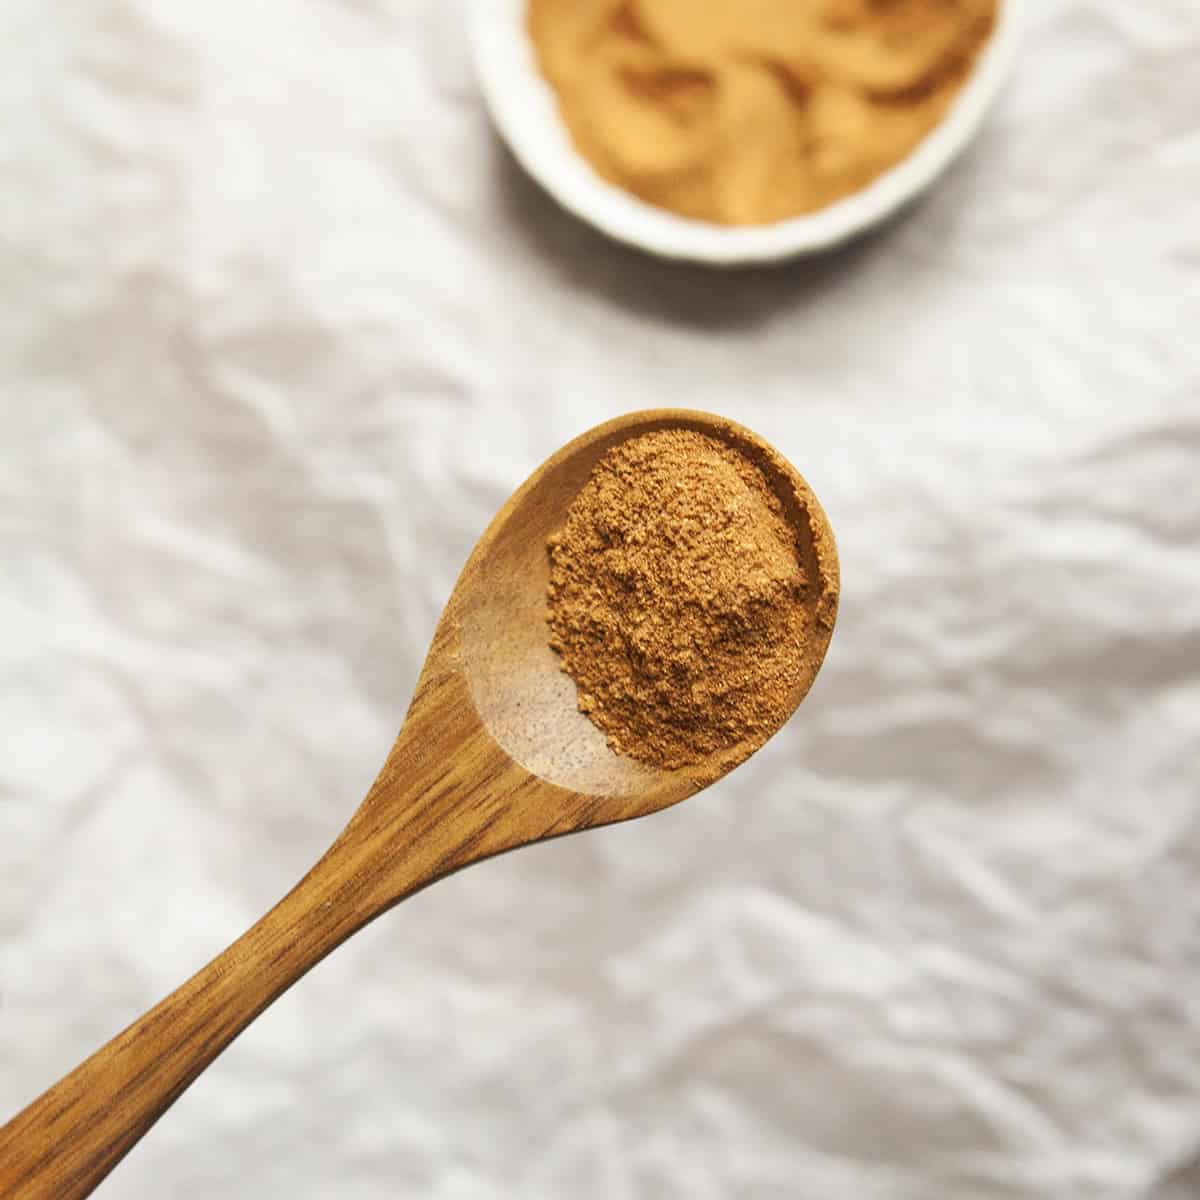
point(524, 110)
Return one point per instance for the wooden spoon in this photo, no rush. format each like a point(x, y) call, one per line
point(493, 754)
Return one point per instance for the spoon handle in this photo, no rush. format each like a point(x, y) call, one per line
point(68, 1140)
point(438, 804)
point(426, 815)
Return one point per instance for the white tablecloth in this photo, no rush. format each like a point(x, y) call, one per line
point(283, 326)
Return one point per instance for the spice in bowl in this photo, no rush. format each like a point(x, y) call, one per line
point(684, 602)
point(748, 112)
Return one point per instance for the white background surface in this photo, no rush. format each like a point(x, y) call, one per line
point(282, 327)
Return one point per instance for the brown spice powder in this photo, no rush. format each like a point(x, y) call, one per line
point(746, 112)
point(678, 602)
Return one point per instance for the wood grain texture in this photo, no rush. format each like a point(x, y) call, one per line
point(494, 754)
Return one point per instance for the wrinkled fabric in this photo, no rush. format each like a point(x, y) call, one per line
point(284, 327)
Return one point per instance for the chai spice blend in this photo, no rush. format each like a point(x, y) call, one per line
point(679, 602)
point(746, 112)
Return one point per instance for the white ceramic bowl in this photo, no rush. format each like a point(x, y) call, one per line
point(525, 111)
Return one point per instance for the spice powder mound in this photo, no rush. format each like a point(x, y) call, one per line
point(747, 112)
point(678, 601)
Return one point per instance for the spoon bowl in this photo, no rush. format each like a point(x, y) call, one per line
point(517, 687)
point(493, 754)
